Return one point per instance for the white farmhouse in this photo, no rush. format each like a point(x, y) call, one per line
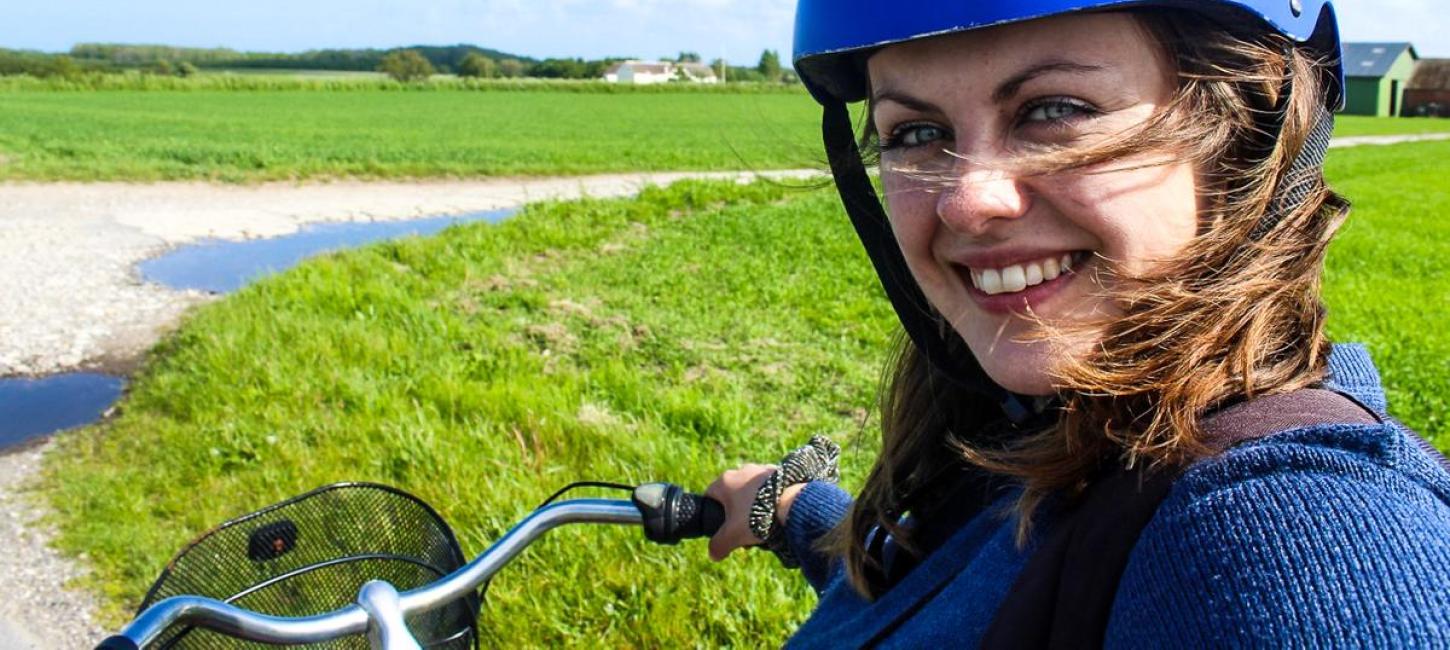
point(654, 72)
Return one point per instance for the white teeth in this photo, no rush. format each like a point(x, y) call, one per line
point(1020, 276)
point(1050, 270)
point(1034, 274)
point(990, 282)
point(1014, 278)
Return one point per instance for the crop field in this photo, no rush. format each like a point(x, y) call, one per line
point(248, 128)
point(665, 337)
point(243, 136)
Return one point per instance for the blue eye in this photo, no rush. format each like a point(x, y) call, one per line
point(1055, 110)
point(913, 135)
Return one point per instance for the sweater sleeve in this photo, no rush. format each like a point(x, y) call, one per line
point(816, 510)
point(1293, 546)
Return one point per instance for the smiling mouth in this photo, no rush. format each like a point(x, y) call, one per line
point(1020, 277)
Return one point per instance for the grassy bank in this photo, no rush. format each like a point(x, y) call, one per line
point(243, 136)
point(628, 341)
point(659, 338)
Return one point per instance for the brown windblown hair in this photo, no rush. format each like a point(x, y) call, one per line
point(1235, 315)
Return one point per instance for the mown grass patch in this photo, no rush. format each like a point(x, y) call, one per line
point(1351, 125)
point(1387, 283)
point(661, 338)
point(245, 136)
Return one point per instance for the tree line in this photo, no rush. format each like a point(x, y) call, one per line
point(405, 64)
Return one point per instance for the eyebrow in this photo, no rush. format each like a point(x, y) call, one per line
point(1004, 91)
point(1007, 89)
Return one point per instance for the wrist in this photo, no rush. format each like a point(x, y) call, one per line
point(787, 498)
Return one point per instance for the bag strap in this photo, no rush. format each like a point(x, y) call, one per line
point(1065, 593)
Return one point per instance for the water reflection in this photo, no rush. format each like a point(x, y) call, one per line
point(223, 267)
point(31, 408)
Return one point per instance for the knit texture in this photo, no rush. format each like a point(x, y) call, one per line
point(1321, 536)
point(818, 507)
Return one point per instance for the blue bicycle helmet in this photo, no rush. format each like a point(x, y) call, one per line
point(833, 38)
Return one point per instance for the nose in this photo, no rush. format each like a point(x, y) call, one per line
point(979, 198)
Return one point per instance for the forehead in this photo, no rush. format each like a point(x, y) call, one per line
point(1108, 39)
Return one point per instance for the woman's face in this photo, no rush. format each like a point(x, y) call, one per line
point(988, 248)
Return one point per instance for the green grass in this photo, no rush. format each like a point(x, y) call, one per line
point(243, 136)
point(1351, 125)
point(625, 340)
point(1387, 283)
point(661, 338)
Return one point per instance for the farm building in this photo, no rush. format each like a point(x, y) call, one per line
point(654, 72)
point(1376, 77)
point(1428, 93)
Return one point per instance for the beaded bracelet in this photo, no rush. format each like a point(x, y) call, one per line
point(816, 461)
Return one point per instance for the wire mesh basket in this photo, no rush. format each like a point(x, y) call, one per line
point(311, 554)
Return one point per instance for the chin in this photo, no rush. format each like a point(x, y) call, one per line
point(1025, 369)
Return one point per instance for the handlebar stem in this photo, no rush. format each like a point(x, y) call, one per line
point(386, 627)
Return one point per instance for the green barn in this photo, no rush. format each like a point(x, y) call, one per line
point(1376, 76)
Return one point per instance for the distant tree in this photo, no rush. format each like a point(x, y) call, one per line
point(477, 65)
point(186, 69)
point(511, 68)
point(163, 68)
point(688, 57)
point(560, 69)
point(64, 66)
point(769, 66)
point(406, 66)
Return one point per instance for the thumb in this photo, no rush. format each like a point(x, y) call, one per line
point(720, 548)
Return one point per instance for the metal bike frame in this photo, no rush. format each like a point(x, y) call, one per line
point(381, 609)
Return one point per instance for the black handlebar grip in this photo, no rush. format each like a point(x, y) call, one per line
point(671, 514)
point(117, 642)
point(699, 516)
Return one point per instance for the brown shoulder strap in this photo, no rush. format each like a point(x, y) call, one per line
point(1266, 415)
point(1065, 593)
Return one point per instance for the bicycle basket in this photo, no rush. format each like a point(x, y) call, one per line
point(311, 554)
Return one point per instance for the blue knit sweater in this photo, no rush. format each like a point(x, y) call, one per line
point(1328, 536)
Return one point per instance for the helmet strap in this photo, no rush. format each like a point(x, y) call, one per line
point(1298, 182)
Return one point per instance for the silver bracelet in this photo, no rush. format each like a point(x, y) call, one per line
point(816, 461)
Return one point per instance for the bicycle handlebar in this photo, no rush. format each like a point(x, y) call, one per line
point(667, 512)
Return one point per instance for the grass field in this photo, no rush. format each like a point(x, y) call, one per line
point(271, 135)
point(1351, 125)
point(243, 128)
point(660, 338)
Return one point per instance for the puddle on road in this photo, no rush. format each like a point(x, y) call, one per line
point(32, 408)
point(223, 266)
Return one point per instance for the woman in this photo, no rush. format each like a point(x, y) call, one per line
point(1110, 420)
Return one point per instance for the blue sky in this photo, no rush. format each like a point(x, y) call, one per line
point(736, 29)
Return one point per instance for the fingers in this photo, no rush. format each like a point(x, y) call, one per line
point(735, 490)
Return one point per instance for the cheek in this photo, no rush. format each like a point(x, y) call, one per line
point(912, 211)
point(1142, 216)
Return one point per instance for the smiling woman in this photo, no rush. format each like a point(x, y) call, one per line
point(989, 247)
point(1114, 418)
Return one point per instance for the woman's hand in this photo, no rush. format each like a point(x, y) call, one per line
point(735, 490)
